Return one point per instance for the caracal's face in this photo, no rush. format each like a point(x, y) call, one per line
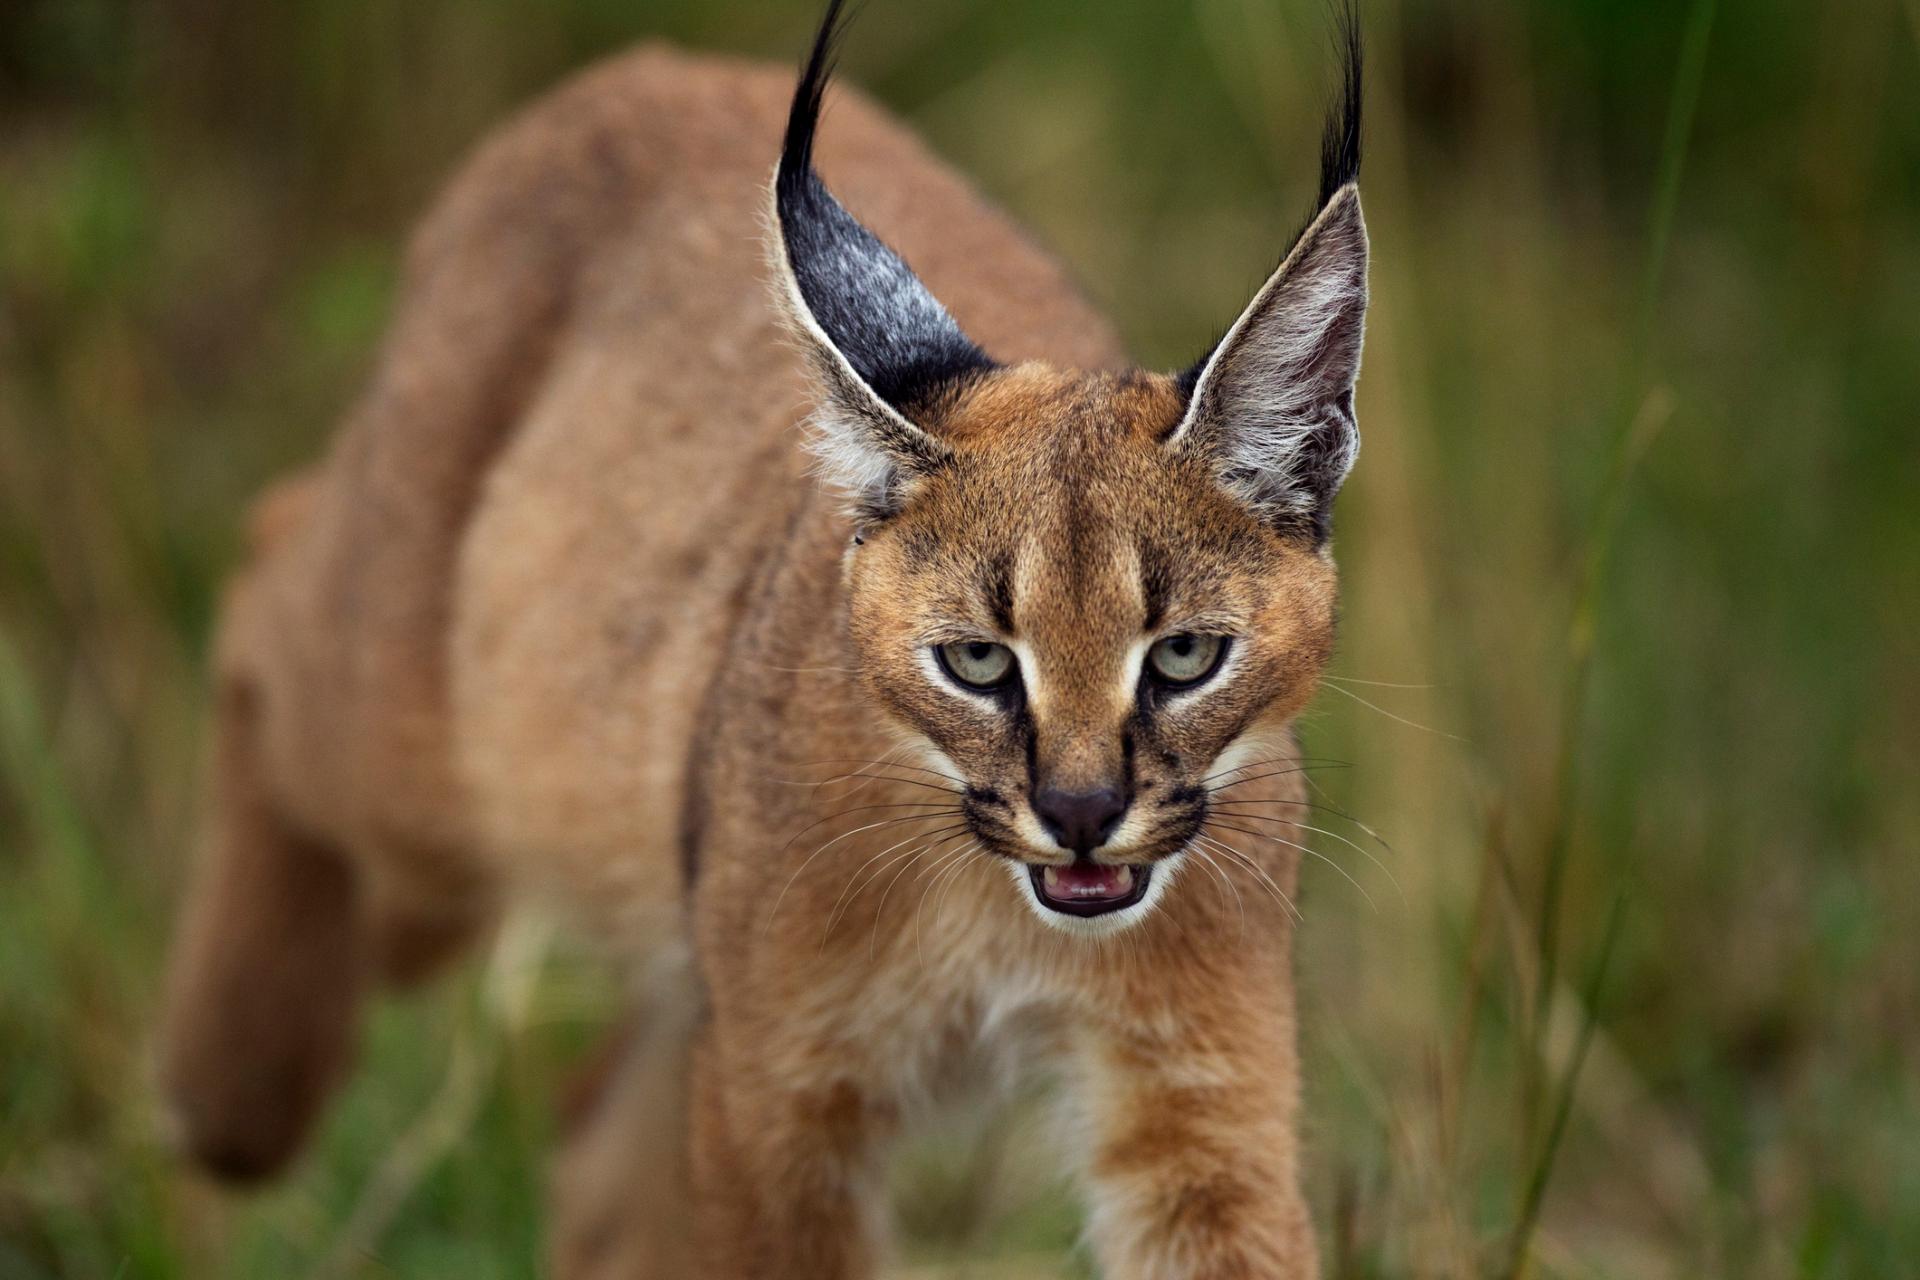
point(1086, 630)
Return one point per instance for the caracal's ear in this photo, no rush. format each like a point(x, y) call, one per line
point(1272, 405)
point(885, 353)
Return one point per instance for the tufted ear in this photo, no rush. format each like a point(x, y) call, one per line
point(1271, 407)
point(885, 353)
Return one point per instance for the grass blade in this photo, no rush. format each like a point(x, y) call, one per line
point(1528, 1218)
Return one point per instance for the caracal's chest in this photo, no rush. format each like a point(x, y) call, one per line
point(962, 1011)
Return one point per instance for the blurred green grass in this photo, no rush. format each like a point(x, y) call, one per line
point(201, 206)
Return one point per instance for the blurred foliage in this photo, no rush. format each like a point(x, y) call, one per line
point(201, 207)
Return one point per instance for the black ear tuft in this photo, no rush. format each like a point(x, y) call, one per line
point(880, 318)
point(803, 117)
point(1271, 404)
point(1340, 143)
point(1339, 148)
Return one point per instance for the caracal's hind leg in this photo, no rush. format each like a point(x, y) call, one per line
point(267, 971)
point(620, 1195)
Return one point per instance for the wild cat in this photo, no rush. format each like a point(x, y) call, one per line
point(954, 744)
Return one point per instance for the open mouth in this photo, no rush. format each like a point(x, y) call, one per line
point(1089, 888)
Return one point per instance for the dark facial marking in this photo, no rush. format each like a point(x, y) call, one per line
point(1156, 581)
point(997, 586)
point(919, 546)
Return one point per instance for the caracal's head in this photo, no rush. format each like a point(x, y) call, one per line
point(1088, 595)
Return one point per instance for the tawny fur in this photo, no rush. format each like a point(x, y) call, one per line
point(563, 609)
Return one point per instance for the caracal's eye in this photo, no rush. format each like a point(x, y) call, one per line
point(1185, 659)
point(977, 664)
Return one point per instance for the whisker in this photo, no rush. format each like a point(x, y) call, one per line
point(1303, 764)
point(939, 858)
point(940, 903)
point(879, 764)
point(884, 822)
point(886, 761)
point(873, 937)
point(1362, 850)
point(1295, 766)
point(949, 873)
point(939, 868)
point(898, 859)
point(1213, 865)
point(833, 916)
point(877, 777)
point(1311, 853)
point(1317, 807)
point(1378, 684)
point(1411, 724)
point(866, 808)
point(1267, 881)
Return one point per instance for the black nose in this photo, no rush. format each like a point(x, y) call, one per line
point(1080, 820)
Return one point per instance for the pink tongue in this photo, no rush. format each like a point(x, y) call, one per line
point(1089, 880)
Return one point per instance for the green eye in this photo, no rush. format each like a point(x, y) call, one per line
point(1185, 659)
point(977, 664)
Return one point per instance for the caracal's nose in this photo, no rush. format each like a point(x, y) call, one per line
point(1081, 821)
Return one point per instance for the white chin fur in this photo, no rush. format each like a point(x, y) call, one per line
point(1112, 922)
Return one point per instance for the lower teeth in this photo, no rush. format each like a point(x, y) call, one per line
point(1118, 886)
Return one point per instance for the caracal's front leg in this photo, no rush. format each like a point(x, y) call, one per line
point(1194, 1171)
point(786, 1150)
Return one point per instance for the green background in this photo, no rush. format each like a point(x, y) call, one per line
point(1628, 682)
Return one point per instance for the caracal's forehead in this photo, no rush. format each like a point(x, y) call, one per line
point(1066, 524)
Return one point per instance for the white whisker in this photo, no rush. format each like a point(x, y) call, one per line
point(1377, 684)
point(948, 872)
point(1213, 865)
point(873, 939)
point(1311, 853)
point(918, 817)
point(1267, 881)
point(848, 893)
point(1360, 849)
point(1411, 724)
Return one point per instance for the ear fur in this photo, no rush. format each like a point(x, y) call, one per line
point(1271, 407)
point(883, 350)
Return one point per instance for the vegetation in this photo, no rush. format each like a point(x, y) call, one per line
point(1628, 681)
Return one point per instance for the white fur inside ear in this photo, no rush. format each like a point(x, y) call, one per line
point(846, 459)
point(855, 437)
point(1273, 406)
